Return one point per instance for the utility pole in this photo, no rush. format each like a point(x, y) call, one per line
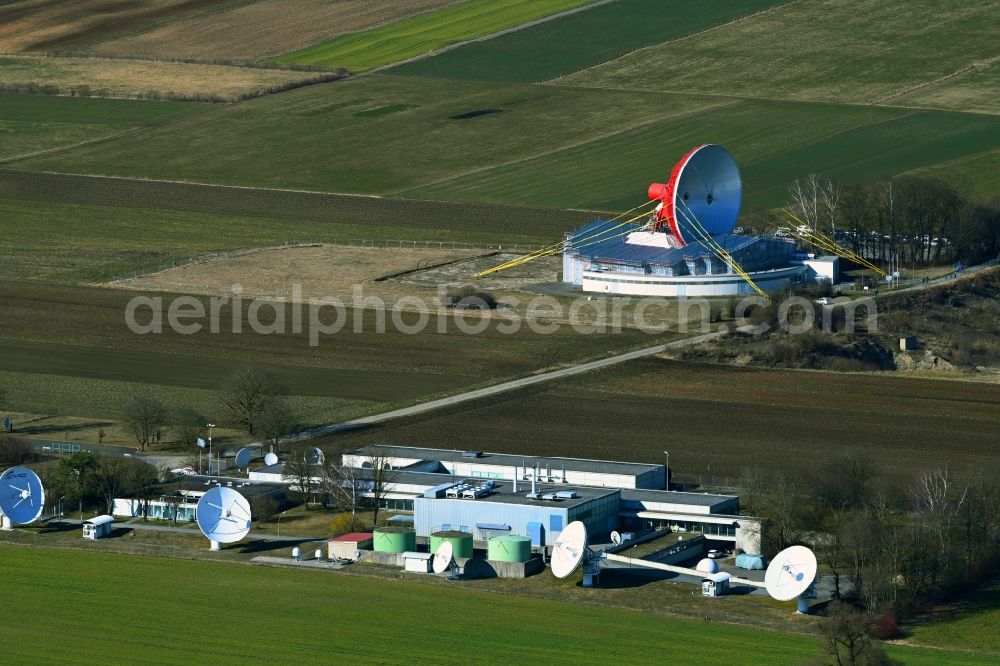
point(667, 475)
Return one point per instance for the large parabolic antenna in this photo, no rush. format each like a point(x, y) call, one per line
point(223, 516)
point(22, 496)
point(790, 573)
point(271, 459)
point(569, 549)
point(702, 197)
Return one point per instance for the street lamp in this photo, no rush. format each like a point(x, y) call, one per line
point(279, 523)
point(667, 454)
point(210, 426)
point(60, 506)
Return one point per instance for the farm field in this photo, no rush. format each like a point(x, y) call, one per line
point(251, 30)
point(966, 624)
point(975, 174)
point(975, 90)
point(510, 142)
point(101, 77)
point(33, 123)
point(54, 331)
point(100, 401)
point(580, 40)
point(856, 51)
point(774, 142)
point(425, 33)
point(718, 420)
point(43, 25)
point(73, 229)
point(76, 598)
point(373, 134)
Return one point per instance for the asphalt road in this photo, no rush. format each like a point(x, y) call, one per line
point(139, 525)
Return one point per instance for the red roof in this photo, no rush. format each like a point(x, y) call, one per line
point(354, 537)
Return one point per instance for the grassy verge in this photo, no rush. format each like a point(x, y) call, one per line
point(424, 33)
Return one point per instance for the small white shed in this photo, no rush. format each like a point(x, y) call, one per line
point(417, 562)
point(98, 527)
point(716, 584)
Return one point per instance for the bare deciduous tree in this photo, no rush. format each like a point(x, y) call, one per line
point(247, 393)
point(343, 484)
point(145, 416)
point(275, 420)
point(188, 426)
point(378, 465)
point(301, 471)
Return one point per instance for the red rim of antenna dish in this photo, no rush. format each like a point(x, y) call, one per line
point(666, 192)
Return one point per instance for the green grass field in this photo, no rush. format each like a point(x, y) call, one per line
point(580, 40)
point(32, 123)
point(539, 145)
point(424, 33)
point(854, 51)
point(321, 138)
point(774, 143)
point(61, 606)
point(968, 624)
point(975, 174)
point(718, 420)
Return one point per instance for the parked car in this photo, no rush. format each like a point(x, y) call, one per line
point(714, 554)
point(823, 300)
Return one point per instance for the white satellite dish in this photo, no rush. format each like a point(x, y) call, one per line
point(223, 516)
point(243, 457)
point(790, 573)
point(443, 557)
point(271, 459)
point(22, 497)
point(569, 549)
point(616, 538)
point(314, 456)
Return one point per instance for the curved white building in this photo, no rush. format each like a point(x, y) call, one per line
point(649, 263)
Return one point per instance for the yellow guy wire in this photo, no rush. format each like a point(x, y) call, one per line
point(555, 248)
point(825, 242)
point(720, 251)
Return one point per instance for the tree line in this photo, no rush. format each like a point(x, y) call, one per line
point(891, 552)
point(916, 219)
point(251, 399)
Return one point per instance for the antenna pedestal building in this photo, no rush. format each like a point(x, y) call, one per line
point(491, 495)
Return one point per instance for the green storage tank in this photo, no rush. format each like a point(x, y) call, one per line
point(509, 548)
point(461, 542)
point(394, 539)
